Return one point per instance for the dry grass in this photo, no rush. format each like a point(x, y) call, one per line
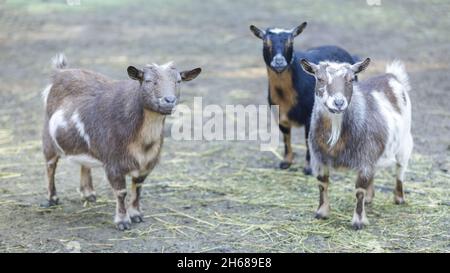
point(217, 196)
point(244, 205)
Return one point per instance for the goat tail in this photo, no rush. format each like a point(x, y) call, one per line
point(397, 68)
point(59, 61)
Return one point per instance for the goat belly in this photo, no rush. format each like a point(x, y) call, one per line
point(289, 114)
point(85, 160)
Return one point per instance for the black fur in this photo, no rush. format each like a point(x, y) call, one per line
point(304, 83)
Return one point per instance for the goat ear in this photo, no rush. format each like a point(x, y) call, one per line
point(190, 74)
point(297, 30)
point(360, 66)
point(135, 73)
point(258, 33)
point(309, 68)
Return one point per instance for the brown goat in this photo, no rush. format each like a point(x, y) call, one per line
point(118, 125)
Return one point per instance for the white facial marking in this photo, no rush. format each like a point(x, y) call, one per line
point(56, 121)
point(80, 127)
point(165, 80)
point(341, 72)
point(327, 101)
point(329, 77)
point(280, 57)
point(323, 99)
point(335, 70)
point(45, 93)
point(163, 67)
point(278, 30)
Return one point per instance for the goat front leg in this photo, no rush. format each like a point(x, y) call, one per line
point(121, 218)
point(307, 169)
point(402, 164)
point(324, 204)
point(134, 210)
point(370, 194)
point(362, 185)
point(288, 153)
point(86, 187)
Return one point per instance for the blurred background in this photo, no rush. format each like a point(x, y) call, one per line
point(225, 196)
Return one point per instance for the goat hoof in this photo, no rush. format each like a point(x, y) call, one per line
point(123, 225)
point(49, 203)
point(399, 200)
point(91, 198)
point(137, 219)
point(307, 171)
point(284, 165)
point(320, 216)
point(358, 226)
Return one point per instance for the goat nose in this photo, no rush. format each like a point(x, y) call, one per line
point(339, 102)
point(279, 61)
point(170, 99)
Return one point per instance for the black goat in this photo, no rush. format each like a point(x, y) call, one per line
point(291, 88)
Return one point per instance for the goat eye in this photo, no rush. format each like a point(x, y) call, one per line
point(148, 80)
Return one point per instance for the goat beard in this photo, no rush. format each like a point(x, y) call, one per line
point(336, 126)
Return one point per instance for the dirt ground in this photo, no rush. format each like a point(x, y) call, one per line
point(220, 196)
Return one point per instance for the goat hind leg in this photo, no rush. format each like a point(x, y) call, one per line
point(51, 162)
point(52, 198)
point(399, 196)
point(402, 164)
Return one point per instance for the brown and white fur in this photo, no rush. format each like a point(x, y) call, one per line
point(290, 88)
point(360, 126)
point(95, 121)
